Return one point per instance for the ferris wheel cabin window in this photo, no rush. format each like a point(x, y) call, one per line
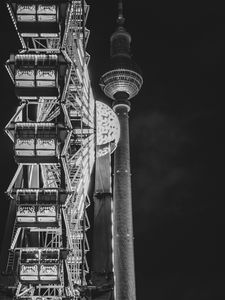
point(36, 13)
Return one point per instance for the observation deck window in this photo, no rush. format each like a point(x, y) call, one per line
point(38, 207)
point(36, 141)
point(36, 255)
point(42, 196)
point(36, 13)
point(38, 75)
point(40, 18)
point(41, 214)
point(30, 256)
point(49, 256)
point(27, 77)
point(38, 265)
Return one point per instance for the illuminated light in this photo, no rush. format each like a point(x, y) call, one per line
point(37, 57)
point(45, 83)
point(26, 214)
point(29, 34)
point(49, 19)
point(29, 272)
point(46, 74)
point(28, 97)
point(46, 211)
point(48, 98)
point(26, 9)
point(108, 128)
point(26, 18)
point(46, 9)
point(31, 13)
point(48, 35)
point(48, 270)
point(24, 74)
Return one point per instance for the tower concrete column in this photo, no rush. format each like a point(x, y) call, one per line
point(122, 82)
point(122, 211)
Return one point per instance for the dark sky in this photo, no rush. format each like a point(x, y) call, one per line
point(177, 144)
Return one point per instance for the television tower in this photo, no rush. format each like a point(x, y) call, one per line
point(121, 83)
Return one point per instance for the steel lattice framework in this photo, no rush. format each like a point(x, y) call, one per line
point(53, 131)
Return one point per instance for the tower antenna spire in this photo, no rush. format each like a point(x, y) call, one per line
point(120, 19)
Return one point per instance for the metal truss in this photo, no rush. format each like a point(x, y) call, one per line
point(53, 131)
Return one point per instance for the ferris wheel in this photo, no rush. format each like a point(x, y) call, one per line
point(59, 133)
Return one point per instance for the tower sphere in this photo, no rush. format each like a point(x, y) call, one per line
point(121, 80)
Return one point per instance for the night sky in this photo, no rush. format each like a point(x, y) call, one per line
point(177, 144)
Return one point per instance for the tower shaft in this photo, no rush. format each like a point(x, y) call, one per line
point(123, 223)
